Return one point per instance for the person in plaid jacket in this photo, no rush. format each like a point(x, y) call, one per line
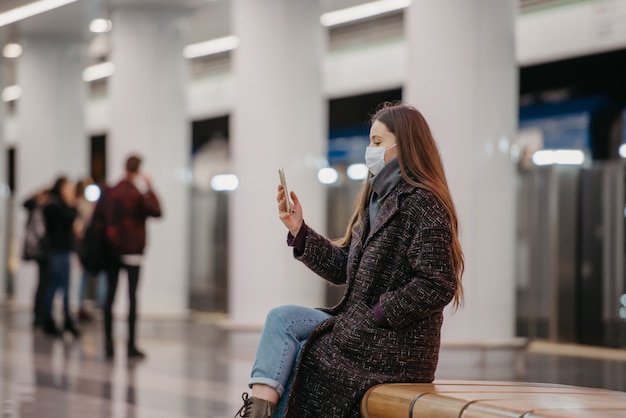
point(124, 209)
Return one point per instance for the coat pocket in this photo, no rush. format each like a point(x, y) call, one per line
point(356, 333)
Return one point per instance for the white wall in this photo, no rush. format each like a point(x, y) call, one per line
point(344, 74)
point(377, 68)
point(571, 30)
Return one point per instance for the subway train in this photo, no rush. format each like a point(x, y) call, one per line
point(571, 283)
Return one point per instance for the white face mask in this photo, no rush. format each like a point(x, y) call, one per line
point(375, 158)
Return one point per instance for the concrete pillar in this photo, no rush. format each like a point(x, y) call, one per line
point(52, 135)
point(4, 225)
point(279, 120)
point(463, 77)
point(149, 117)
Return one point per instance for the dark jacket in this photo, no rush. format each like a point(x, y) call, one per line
point(405, 264)
point(125, 209)
point(59, 225)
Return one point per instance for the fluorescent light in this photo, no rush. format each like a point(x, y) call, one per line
point(357, 171)
point(224, 182)
point(622, 150)
point(31, 9)
point(100, 25)
point(213, 46)
point(327, 175)
point(98, 71)
point(559, 156)
point(11, 93)
point(362, 11)
point(12, 50)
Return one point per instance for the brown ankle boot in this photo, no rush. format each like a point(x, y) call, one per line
point(255, 407)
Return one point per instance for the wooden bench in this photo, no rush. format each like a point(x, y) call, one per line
point(478, 399)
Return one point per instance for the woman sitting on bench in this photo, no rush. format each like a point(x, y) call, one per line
point(402, 262)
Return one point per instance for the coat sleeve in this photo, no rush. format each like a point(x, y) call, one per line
point(324, 258)
point(60, 214)
point(150, 204)
point(433, 283)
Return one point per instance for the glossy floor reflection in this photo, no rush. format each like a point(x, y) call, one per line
point(197, 369)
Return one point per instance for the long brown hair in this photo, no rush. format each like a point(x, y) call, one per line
point(421, 166)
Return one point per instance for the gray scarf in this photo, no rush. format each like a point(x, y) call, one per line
point(382, 184)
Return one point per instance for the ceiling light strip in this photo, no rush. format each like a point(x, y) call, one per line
point(11, 93)
point(98, 71)
point(214, 46)
point(363, 11)
point(31, 9)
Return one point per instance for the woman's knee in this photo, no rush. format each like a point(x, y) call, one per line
point(289, 316)
point(292, 312)
point(282, 313)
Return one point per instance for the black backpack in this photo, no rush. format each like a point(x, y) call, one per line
point(93, 250)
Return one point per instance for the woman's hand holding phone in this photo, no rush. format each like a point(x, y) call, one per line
point(283, 182)
point(289, 213)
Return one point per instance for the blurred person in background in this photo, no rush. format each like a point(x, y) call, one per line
point(35, 249)
point(92, 283)
point(124, 209)
point(402, 262)
point(60, 214)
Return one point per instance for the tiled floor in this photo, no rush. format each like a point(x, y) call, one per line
point(198, 369)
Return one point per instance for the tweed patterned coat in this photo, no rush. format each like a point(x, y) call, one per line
point(405, 263)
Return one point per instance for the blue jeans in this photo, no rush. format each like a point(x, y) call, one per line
point(59, 268)
point(284, 334)
point(101, 287)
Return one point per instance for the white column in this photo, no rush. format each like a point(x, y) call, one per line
point(148, 117)
point(52, 135)
point(279, 120)
point(3, 201)
point(463, 77)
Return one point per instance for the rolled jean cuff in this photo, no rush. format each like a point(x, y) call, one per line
point(267, 382)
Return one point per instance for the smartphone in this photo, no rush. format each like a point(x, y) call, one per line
point(283, 182)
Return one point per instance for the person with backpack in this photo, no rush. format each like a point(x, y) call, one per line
point(124, 209)
point(93, 279)
point(35, 249)
point(60, 215)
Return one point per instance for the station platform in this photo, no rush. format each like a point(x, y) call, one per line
point(199, 368)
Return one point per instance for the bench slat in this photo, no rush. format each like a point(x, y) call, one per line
point(476, 399)
point(578, 413)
